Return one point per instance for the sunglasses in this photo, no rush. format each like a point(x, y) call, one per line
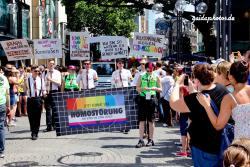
point(36, 71)
point(142, 63)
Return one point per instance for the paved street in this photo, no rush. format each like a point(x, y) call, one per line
point(100, 149)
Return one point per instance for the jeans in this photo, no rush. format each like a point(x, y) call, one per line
point(2, 130)
point(203, 159)
point(183, 124)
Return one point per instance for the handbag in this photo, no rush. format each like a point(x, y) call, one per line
point(227, 134)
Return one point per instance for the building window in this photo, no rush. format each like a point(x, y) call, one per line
point(3, 15)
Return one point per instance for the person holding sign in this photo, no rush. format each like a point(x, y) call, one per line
point(87, 76)
point(147, 86)
point(53, 81)
point(69, 81)
point(121, 77)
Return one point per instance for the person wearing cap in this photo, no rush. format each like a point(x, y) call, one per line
point(121, 77)
point(87, 76)
point(69, 81)
point(147, 86)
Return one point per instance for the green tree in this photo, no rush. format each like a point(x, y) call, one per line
point(100, 20)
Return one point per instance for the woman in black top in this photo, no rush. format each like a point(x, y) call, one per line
point(205, 139)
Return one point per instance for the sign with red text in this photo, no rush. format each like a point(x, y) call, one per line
point(17, 49)
point(79, 46)
point(148, 45)
point(47, 48)
point(113, 47)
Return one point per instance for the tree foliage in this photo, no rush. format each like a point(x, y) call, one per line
point(101, 20)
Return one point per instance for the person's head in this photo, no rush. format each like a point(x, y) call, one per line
point(169, 71)
point(222, 70)
point(71, 69)
point(9, 67)
point(42, 68)
point(158, 64)
point(35, 71)
point(203, 74)
point(87, 64)
point(149, 66)
point(15, 72)
point(238, 72)
point(143, 63)
point(21, 69)
point(51, 64)
point(2, 69)
point(237, 154)
point(28, 69)
point(120, 64)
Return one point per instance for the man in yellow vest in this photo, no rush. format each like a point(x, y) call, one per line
point(147, 86)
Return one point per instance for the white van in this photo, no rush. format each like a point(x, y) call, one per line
point(104, 71)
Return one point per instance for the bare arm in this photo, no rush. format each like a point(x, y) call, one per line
point(226, 107)
point(178, 104)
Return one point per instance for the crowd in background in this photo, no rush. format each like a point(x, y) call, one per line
point(169, 93)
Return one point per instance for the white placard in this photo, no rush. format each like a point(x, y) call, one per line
point(17, 49)
point(79, 46)
point(148, 45)
point(47, 48)
point(113, 47)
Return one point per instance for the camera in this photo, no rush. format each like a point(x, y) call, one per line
point(186, 80)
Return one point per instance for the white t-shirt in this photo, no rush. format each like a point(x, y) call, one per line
point(137, 76)
point(82, 78)
point(4, 85)
point(121, 78)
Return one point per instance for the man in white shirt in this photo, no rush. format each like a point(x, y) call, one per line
point(141, 72)
point(167, 83)
point(121, 77)
point(159, 72)
point(35, 90)
point(87, 77)
point(53, 81)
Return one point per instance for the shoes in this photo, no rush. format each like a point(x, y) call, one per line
point(48, 130)
point(181, 154)
point(150, 143)
point(34, 136)
point(11, 124)
point(178, 143)
point(164, 125)
point(2, 155)
point(140, 144)
point(125, 131)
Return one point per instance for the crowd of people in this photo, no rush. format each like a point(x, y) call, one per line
point(167, 91)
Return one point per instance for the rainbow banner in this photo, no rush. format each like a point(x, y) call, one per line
point(96, 110)
point(90, 111)
point(148, 45)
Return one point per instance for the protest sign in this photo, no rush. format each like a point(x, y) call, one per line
point(91, 111)
point(17, 49)
point(148, 45)
point(47, 48)
point(79, 46)
point(113, 47)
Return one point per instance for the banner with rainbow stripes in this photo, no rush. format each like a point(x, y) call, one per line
point(96, 110)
